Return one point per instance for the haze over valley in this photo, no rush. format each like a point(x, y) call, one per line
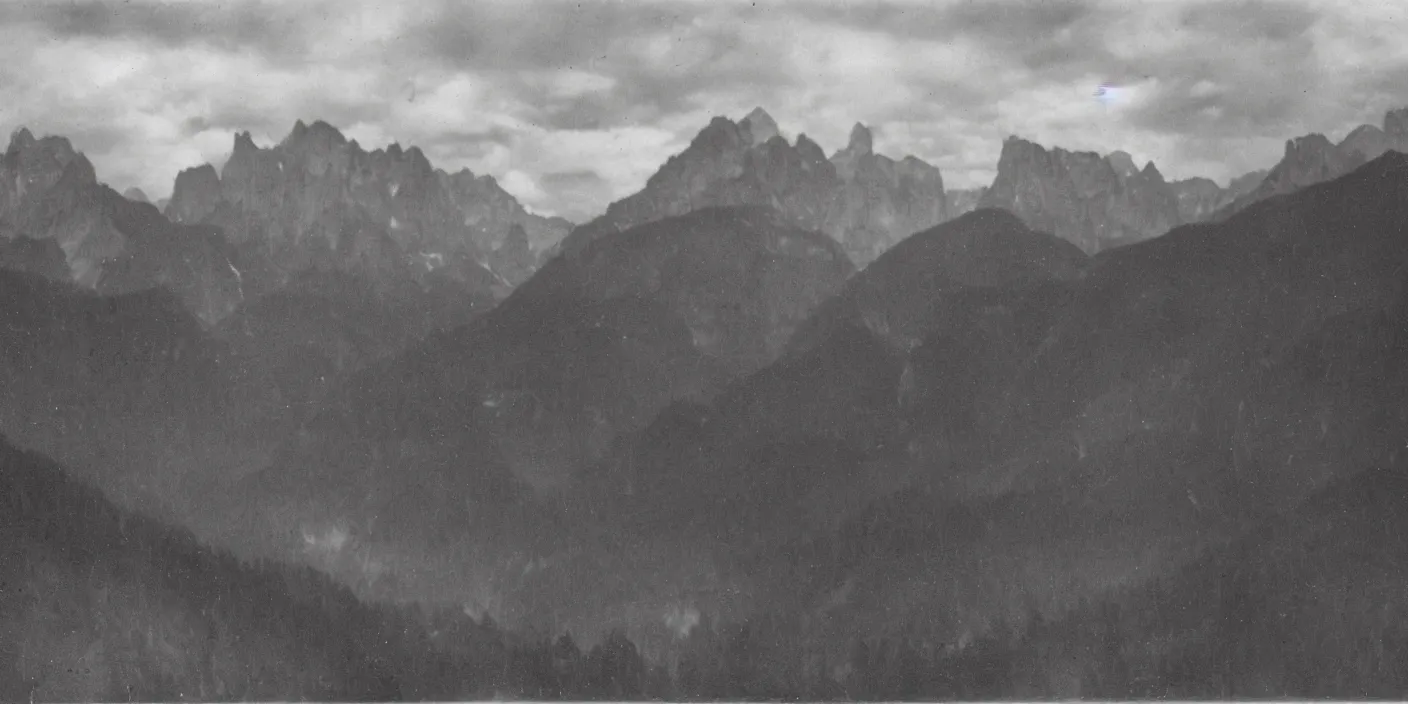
point(692, 351)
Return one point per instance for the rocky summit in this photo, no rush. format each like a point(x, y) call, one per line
point(1092, 201)
point(319, 200)
point(49, 193)
point(863, 200)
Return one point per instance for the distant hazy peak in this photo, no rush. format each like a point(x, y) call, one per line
point(1123, 163)
point(20, 138)
point(1363, 130)
point(1396, 123)
point(1309, 142)
point(195, 194)
point(810, 150)
point(1247, 182)
point(761, 126)
point(244, 142)
point(862, 142)
point(319, 132)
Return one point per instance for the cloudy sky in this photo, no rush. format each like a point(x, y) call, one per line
point(571, 105)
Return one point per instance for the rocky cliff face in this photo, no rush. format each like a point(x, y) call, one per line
point(863, 200)
point(317, 200)
point(50, 193)
point(1092, 201)
point(882, 201)
point(1313, 159)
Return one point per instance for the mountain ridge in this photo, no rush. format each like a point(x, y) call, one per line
point(867, 203)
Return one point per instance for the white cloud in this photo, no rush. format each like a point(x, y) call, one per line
point(572, 106)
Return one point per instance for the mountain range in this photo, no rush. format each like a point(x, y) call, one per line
point(1312, 158)
point(782, 425)
point(319, 201)
point(49, 192)
point(865, 201)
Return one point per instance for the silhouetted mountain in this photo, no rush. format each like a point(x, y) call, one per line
point(111, 244)
point(101, 604)
point(1092, 201)
point(865, 201)
point(785, 453)
point(1312, 159)
point(130, 392)
point(136, 194)
point(427, 454)
point(317, 200)
point(324, 325)
point(1305, 607)
point(899, 295)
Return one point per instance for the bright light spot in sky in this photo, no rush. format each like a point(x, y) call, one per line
point(1111, 94)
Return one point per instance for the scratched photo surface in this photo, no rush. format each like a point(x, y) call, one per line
point(675, 350)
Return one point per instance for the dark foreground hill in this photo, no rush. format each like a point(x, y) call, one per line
point(1030, 443)
point(101, 604)
point(446, 466)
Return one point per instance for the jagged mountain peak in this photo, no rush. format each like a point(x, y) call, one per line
point(1312, 158)
point(722, 135)
point(51, 193)
point(244, 143)
point(317, 201)
point(319, 132)
point(1092, 201)
point(25, 147)
point(865, 204)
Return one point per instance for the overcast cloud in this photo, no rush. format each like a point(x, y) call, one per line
point(573, 105)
